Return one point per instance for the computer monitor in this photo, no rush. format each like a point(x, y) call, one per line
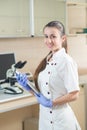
point(6, 60)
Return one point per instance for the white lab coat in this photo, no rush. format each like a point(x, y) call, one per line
point(57, 79)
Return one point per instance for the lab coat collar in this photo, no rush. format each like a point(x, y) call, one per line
point(58, 53)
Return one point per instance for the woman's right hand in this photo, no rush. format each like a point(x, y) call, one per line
point(22, 80)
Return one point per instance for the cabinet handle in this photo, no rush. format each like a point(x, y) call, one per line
point(82, 85)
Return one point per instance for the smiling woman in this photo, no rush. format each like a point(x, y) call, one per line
point(57, 81)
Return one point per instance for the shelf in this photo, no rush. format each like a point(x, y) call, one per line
point(75, 35)
point(76, 18)
point(77, 4)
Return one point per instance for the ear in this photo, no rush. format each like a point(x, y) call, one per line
point(63, 38)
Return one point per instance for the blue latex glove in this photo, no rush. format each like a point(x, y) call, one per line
point(22, 80)
point(43, 100)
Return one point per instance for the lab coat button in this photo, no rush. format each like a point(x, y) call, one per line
point(47, 63)
point(46, 83)
point(55, 64)
point(48, 92)
point(51, 122)
point(51, 63)
point(49, 72)
point(50, 111)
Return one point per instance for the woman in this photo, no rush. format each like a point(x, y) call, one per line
point(56, 78)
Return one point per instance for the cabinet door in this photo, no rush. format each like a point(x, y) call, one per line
point(14, 18)
point(46, 11)
point(78, 107)
point(76, 18)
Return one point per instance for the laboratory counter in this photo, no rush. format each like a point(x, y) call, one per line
point(17, 102)
point(15, 109)
point(11, 101)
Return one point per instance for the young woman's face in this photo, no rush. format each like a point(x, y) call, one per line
point(52, 38)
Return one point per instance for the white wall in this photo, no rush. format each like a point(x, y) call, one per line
point(33, 50)
point(78, 50)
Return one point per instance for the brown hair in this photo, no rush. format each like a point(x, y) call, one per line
point(42, 65)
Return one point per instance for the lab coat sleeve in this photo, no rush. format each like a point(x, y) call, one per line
point(71, 76)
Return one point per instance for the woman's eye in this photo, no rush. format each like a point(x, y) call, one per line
point(46, 36)
point(53, 36)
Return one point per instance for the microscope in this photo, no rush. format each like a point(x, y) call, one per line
point(11, 87)
point(11, 73)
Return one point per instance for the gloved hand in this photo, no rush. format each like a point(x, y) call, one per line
point(44, 101)
point(22, 80)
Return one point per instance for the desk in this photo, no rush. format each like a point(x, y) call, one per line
point(10, 102)
point(15, 109)
point(17, 103)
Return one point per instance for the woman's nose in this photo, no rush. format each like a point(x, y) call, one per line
point(49, 40)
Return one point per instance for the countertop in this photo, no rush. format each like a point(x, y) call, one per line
point(10, 102)
point(17, 103)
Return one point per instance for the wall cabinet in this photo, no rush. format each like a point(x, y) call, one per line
point(14, 18)
point(76, 17)
point(24, 18)
point(48, 10)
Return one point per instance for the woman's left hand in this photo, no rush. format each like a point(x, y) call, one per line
point(44, 101)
